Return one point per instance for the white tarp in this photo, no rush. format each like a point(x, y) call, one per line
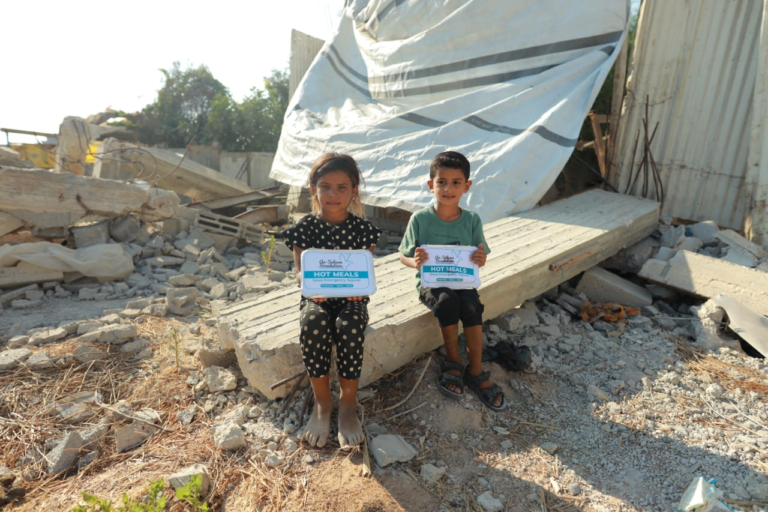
point(107, 262)
point(507, 83)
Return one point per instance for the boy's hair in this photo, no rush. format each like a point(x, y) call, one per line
point(449, 160)
point(330, 162)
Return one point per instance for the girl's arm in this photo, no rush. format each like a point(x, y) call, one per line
point(297, 262)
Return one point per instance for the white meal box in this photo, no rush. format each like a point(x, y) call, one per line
point(449, 266)
point(337, 273)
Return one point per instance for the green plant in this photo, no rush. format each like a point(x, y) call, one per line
point(155, 502)
point(191, 494)
point(267, 257)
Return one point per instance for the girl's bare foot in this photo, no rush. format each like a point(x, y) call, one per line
point(350, 430)
point(319, 425)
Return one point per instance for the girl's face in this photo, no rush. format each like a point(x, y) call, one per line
point(334, 191)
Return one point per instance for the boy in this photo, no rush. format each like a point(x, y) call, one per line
point(445, 223)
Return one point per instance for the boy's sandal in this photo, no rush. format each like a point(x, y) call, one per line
point(446, 378)
point(486, 395)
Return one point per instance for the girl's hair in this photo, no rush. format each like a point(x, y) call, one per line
point(330, 162)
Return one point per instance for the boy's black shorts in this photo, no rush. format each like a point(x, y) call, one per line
point(450, 306)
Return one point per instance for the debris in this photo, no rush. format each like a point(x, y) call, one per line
point(735, 240)
point(61, 200)
point(47, 336)
point(92, 234)
point(707, 277)
point(219, 379)
point(747, 324)
point(489, 503)
point(673, 237)
point(132, 435)
point(632, 258)
point(187, 415)
point(702, 496)
point(181, 301)
point(431, 473)
point(228, 437)
point(606, 312)
point(182, 477)
point(602, 286)
point(389, 448)
point(170, 170)
point(574, 488)
point(87, 354)
point(548, 447)
point(25, 273)
point(65, 453)
point(10, 359)
point(704, 230)
point(40, 361)
point(113, 334)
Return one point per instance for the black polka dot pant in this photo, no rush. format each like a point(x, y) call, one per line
point(333, 321)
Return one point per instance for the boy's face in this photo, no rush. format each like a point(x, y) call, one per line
point(449, 185)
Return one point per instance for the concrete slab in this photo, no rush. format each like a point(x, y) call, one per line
point(708, 277)
point(531, 253)
point(602, 286)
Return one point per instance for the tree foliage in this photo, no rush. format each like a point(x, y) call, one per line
point(193, 103)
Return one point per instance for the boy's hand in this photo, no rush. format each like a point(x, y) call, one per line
point(420, 257)
point(355, 299)
point(478, 257)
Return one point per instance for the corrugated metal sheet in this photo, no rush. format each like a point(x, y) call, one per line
point(696, 61)
point(304, 48)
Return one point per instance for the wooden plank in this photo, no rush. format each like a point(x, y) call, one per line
point(597, 130)
point(707, 277)
point(619, 80)
point(530, 253)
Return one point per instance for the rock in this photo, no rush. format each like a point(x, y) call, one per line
point(72, 409)
point(10, 359)
point(574, 488)
point(691, 244)
point(274, 459)
point(40, 361)
point(236, 415)
point(25, 304)
point(92, 435)
point(740, 257)
point(219, 379)
point(183, 280)
point(148, 415)
point(34, 294)
point(218, 357)
point(548, 447)
point(519, 318)
point(602, 286)
point(228, 437)
point(431, 473)
point(389, 448)
point(672, 237)
point(87, 327)
point(715, 390)
point(757, 487)
point(47, 336)
point(135, 346)
point(182, 477)
point(290, 445)
point(18, 341)
point(130, 436)
point(87, 459)
point(87, 354)
point(598, 393)
point(219, 291)
point(489, 503)
point(704, 230)
point(125, 229)
point(6, 477)
point(308, 459)
point(115, 334)
point(122, 411)
point(632, 258)
point(181, 301)
point(187, 415)
point(164, 261)
point(65, 453)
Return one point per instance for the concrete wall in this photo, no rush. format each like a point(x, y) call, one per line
point(258, 166)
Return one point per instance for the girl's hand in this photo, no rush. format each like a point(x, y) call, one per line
point(319, 299)
point(420, 256)
point(478, 257)
point(355, 299)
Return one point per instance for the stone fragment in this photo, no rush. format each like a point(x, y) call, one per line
point(112, 334)
point(740, 257)
point(574, 488)
point(598, 393)
point(86, 353)
point(25, 304)
point(181, 301)
point(219, 379)
point(65, 453)
point(135, 346)
point(665, 253)
point(236, 415)
point(189, 268)
point(389, 448)
point(672, 237)
point(148, 415)
point(10, 359)
point(132, 435)
point(602, 286)
point(219, 291)
point(164, 261)
point(6, 477)
point(7, 297)
point(186, 416)
point(87, 327)
point(18, 341)
point(39, 361)
point(489, 503)
point(549, 447)
point(691, 243)
point(274, 460)
point(431, 473)
point(228, 437)
point(290, 445)
point(182, 477)
point(222, 358)
point(183, 280)
point(125, 229)
point(704, 230)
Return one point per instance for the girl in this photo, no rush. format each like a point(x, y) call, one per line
point(336, 222)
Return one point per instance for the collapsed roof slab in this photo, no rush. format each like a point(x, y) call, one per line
point(531, 252)
point(167, 169)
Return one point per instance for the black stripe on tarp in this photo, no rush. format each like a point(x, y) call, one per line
point(461, 84)
point(390, 6)
point(540, 130)
point(346, 66)
point(512, 55)
point(344, 77)
point(422, 120)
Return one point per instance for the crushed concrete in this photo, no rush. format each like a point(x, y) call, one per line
point(389, 448)
point(183, 476)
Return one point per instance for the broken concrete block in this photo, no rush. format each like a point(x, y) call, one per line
point(25, 304)
point(181, 301)
point(93, 234)
point(34, 294)
point(431, 473)
point(665, 254)
point(489, 503)
point(10, 359)
point(690, 243)
point(65, 453)
point(602, 286)
point(734, 239)
point(707, 329)
point(130, 436)
point(632, 258)
point(164, 261)
point(221, 358)
point(135, 346)
point(39, 361)
point(182, 477)
point(704, 230)
point(673, 237)
point(741, 257)
point(47, 336)
point(184, 280)
point(219, 379)
point(389, 448)
point(125, 229)
point(24, 273)
point(87, 354)
point(114, 334)
point(707, 277)
point(7, 297)
point(187, 415)
point(219, 291)
point(148, 415)
point(228, 437)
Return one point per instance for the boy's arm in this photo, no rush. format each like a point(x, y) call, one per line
point(411, 255)
point(417, 260)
